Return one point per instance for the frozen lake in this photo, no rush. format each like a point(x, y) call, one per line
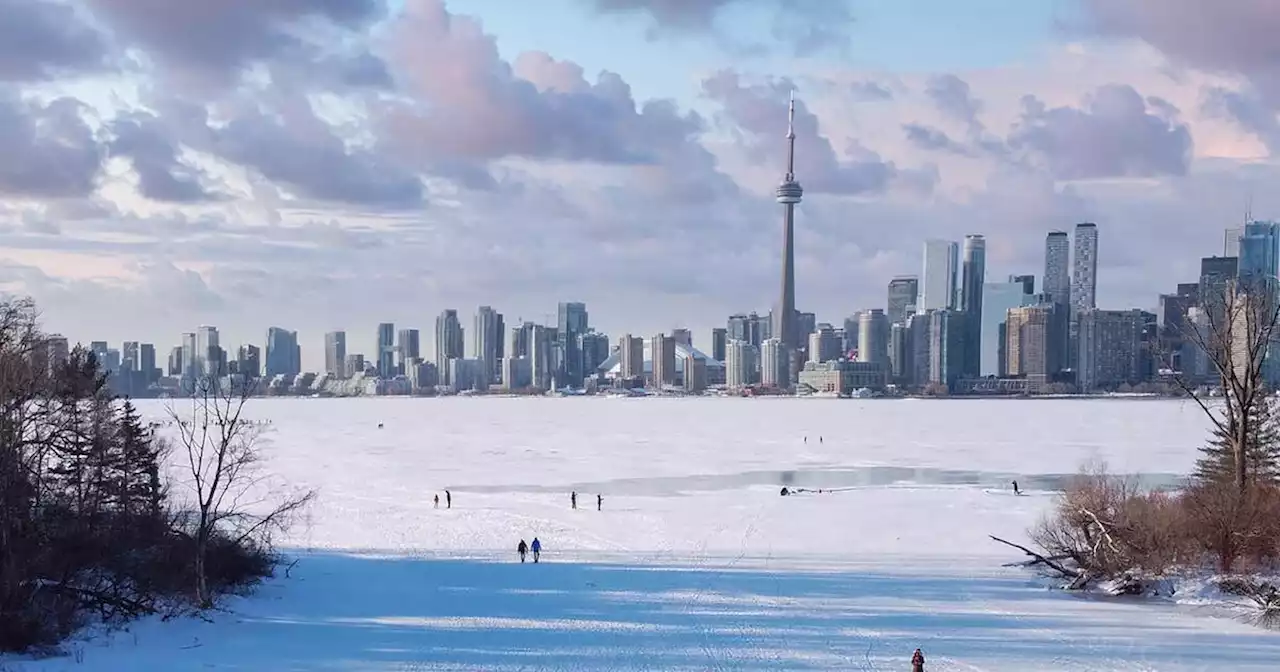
point(694, 561)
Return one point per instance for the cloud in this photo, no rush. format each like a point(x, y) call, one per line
point(41, 39)
point(759, 113)
point(1113, 135)
point(162, 175)
point(806, 25)
point(933, 139)
point(48, 149)
point(953, 96)
point(216, 41)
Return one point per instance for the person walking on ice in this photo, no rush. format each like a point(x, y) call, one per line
point(1016, 491)
point(523, 548)
point(573, 500)
point(599, 502)
point(448, 500)
point(917, 661)
point(437, 500)
point(537, 549)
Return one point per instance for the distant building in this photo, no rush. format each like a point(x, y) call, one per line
point(353, 365)
point(695, 373)
point(662, 350)
point(449, 341)
point(386, 350)
point(573, 323)
point(1110, 343)
point(1033, 333)
point(631, 350)
point(517, 373)
point(999, 298)
point(903, 292)
point(825, 344)
point(283, 356)
point(335, 354)
point(842, 377)
point(249, 361)
point(775, 364)
point(408, 342)
point(719, 339)
point(741, 364)
point(753, 328)
point(682, 336)
point(937, 286)
point(873, 337)
point(486, 338)
point(947, 332)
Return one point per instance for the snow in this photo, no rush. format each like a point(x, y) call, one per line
point(695, 561)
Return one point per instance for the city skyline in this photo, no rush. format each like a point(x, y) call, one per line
point(200, 174)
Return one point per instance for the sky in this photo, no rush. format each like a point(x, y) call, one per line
point(332, 164)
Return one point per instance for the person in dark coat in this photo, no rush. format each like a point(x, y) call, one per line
point(522, 548)
point(437, 501)
point(448, 500)
point(1016, 491)
point(537, 549)
point(599, 502)
point(573, 500)
point(917, 661)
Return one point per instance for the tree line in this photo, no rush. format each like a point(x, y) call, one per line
point(92, 527)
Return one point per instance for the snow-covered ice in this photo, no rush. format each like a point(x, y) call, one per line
point(695, 561)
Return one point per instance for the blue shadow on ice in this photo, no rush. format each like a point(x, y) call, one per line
point(404, 613)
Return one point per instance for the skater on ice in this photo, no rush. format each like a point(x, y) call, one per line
point(1016, 491)
point(536, 548)
point(523, 548)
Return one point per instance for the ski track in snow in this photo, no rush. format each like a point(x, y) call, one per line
point(682, 572)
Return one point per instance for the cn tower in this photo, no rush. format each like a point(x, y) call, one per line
point(788, 194)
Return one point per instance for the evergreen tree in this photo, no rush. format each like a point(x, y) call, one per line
point(1262, 449)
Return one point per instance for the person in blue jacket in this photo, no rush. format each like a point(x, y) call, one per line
point(536, 547)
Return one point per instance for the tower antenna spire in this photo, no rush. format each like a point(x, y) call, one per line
point(791, 137)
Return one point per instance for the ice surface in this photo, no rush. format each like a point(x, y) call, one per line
point(695, 561)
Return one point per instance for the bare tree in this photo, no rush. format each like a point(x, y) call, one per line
point(1232, 331)
point(223, 457)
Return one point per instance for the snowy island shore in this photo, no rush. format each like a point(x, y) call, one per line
point(694, 561)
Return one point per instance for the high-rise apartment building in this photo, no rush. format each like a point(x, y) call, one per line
point(175, 361)
point(695, 373)
point(753, 328)
point(662, 353)
point(386, 350)
point(775, 364)
point(740, 364)
point(631, 357)
point(919, 341)
point(1084, 268)
point(1231, 241)
point(485, 338)
point(594, 347)
point(1033, 334)
point(947, 334)
point(899, 353)
point(448, 342)
point(208, 351)
point(335, 354)
point(190, 356)
point(283, 357)
point(937, 286)
point(573, 322)
point(1110, 343)
point(683, 337)
point(1057, 267)
point(354, 364)
point(904, 291)
point(873, 337)
point(542, 361)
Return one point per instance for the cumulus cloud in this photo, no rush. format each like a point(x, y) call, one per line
point(48, 149)
point(759, 113)
point(40, 39)
point(1115, 134)
point(162, 174)
point(807, 25)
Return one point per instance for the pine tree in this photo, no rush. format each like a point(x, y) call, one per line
point(1262, 450)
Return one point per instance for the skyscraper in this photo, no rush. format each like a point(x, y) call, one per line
point(408, 346)
point(147, 361)
point(903, 292)
point(448, 343)
point(485, 339)
point(1057, 278)
point(129, 356)
point(719, 337)
point(208, 351)
point(573, 322)
point(386, 350)
point(190, 356)
point(1259, 259)
point(283, 355)
point(631, 356)
point(335, 354)
point(873, 337)
point(662, 354)
point(937, 286)
point(249, 361)
point(1028, 283)
point(1084, 268)
point(789, 194)
point(975, 270)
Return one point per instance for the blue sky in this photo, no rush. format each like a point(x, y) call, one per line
point(901, 36)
